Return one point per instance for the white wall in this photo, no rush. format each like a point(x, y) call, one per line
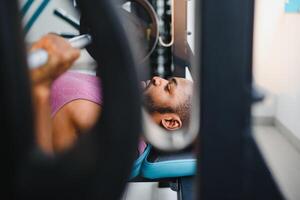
point(47, 22)
point(276, 62)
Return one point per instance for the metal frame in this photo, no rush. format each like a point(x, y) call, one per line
point(230, 165)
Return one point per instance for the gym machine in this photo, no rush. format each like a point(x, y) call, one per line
point(229, 163)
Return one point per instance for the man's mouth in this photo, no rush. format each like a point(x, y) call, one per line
point(145, 84)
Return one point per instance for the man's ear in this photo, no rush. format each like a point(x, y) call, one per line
point(171, 122)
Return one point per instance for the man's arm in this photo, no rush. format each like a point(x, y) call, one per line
point(73, 119)
point(61, 57)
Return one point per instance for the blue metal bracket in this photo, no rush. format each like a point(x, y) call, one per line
point(292, 6)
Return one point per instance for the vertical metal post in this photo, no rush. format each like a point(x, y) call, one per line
point(180, 46)
point(230, 166)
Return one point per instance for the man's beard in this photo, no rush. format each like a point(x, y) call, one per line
point(148, 103)
point(151, 107)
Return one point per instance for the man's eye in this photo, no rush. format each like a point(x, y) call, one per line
point(168, 87)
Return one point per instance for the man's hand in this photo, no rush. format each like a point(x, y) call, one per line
point(61, 56)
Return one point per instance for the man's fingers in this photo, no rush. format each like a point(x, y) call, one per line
point(53, 62)
point(57, 46)
point(64, 60)
point(70, 56)
point(51, 41)
point(74, 54)
point(61, 56)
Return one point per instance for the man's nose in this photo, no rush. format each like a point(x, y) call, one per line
point(156, 80)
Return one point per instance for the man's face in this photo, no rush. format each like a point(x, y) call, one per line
point(167, 93)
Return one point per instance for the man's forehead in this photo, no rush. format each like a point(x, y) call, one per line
point(183, 80)
point(184, 86)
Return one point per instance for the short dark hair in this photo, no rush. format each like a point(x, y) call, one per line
point(183, 110)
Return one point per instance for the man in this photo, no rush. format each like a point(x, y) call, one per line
point(76, 99)
point(169, 101)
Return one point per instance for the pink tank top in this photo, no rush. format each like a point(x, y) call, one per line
point(73, 86)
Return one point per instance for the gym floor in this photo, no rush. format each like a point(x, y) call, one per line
point(148, 191)
point(282, 157)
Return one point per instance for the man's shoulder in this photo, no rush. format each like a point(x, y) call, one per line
point(83, 113)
